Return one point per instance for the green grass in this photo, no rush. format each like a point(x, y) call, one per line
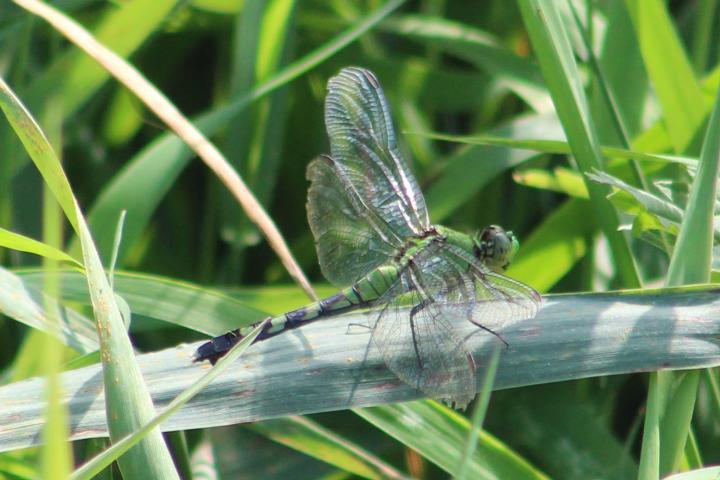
point(616, 191)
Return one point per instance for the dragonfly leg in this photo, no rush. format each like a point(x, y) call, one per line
point(361, 325)
point(489, 330)
point(414, 311)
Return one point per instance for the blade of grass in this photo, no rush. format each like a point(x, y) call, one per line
point(25, 303)
point(438, 434)
point(311, 438)
point(22, 243)
point(554, 147)
point(478, 416)
point(264, 36)
point(708, 473)
point(124, 444)
point(704, 17)
point(56, 455)
point(127, 401)
point(595, 334)
point(557, 62)
point(684, 110)
point(668, 422)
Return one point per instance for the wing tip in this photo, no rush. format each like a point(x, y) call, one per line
point(354, 75)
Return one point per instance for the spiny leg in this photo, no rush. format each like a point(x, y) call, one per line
point(489, 330)
point(414, 311)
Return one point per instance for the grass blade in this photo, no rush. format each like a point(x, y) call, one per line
point(120, 446)
point(478, 416)
point(665, 433)
point(128, 402)
point(684, 109)
point(595, 334)
point(557, 61)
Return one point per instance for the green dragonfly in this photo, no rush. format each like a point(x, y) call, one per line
point(372, 232)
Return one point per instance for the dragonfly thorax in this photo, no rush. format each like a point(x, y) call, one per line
point(417, 244)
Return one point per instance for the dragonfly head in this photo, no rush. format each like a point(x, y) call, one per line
point(496, 247)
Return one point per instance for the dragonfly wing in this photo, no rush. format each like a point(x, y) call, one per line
point(350, 240)
point(419, 345)
point(494, 300)
point(369, 166)
point(442, 286)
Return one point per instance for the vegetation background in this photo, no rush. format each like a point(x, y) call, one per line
point(253, 74)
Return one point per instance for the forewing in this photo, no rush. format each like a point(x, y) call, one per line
point(363, 145)
point(350, 241)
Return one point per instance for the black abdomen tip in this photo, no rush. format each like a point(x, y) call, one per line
point(215, 348)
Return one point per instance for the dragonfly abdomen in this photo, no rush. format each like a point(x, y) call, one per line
point(357, 295)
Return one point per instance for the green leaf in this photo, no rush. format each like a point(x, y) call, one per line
point(202, 309)
point(709, 473)
point(27, 304)
point(469, 169)
point(557, 61)
point(438, 434)
point(323, 367)
point(305, 435)
point(128, 403)
point(22, 243)
point(684, 109)
point(691, 262)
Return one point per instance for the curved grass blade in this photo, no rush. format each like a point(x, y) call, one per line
point(123, 382)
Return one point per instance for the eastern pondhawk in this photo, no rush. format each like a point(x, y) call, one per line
point(372, 232)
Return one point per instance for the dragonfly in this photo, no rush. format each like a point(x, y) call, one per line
point(416, 280)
